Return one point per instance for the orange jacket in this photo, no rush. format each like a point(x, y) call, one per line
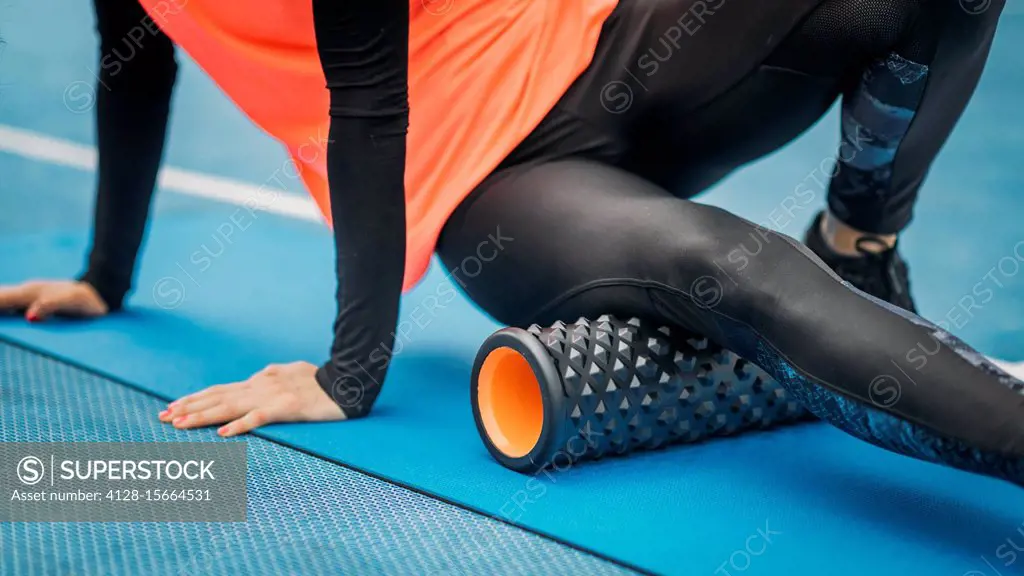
point(483, 74)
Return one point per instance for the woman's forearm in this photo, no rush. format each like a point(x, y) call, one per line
point(365, 166)
point(133, 97)
point(364, 52)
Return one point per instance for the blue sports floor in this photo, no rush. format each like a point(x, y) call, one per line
point(412, 490)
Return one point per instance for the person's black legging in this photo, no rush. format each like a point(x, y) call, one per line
point(592, 220)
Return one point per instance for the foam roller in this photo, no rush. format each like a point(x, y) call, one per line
point(596, 388)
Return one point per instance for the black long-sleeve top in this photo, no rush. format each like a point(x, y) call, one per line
point(363, 48)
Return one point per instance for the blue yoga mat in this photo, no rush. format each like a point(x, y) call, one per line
point(804, 500)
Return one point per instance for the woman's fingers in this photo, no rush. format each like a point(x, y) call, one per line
point(195, 406)
point(49, 303)
point(250, 421)
point(202, 394)
point(42, 299)
point(18, 297)
point(198, 401)
point(214, 405)
point(69, 298)
point(216, 414)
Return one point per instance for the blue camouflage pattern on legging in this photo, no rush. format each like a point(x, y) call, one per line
point(875, 119)
point(872, 423)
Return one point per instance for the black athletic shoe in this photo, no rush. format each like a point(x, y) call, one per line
point(884, 274)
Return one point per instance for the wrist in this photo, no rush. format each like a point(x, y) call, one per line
point(110, 291)
point(349, 392)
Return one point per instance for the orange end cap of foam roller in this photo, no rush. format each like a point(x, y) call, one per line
point(510, 403)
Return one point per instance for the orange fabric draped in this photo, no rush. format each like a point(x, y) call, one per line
point(483, 74)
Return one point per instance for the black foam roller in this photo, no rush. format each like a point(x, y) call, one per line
point(603, 387)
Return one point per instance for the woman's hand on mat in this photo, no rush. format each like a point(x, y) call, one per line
point(41, 299)
point(278, 393)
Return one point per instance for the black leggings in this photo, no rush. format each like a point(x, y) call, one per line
point(590, 216)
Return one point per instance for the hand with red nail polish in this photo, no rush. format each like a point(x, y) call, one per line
point(278, 393)
point(41, 299)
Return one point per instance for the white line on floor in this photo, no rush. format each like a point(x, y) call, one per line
point(43, 148)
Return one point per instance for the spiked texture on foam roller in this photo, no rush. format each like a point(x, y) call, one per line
point(630, 386)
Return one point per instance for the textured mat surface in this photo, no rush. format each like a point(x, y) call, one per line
point(306, 515)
